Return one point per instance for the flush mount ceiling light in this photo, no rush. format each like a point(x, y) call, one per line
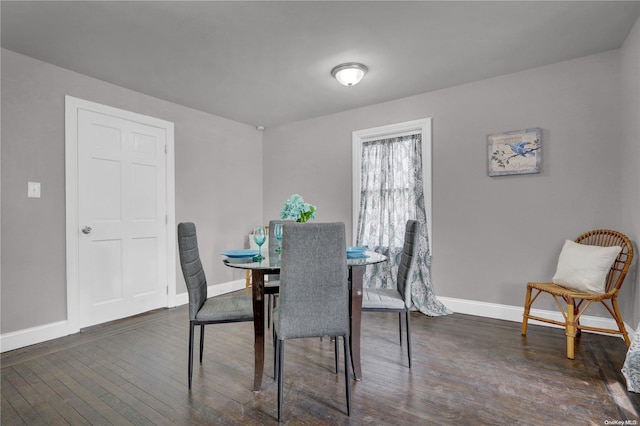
point(349, 74)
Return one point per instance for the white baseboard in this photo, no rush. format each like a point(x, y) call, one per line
point(514, 313)
point(213, 290)
point(31, 336)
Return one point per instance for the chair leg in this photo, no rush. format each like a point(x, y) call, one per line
point(201, 341)
point(570, 328)
point(270, 297)
point(527, 309)
point(190, 368)
point(280, 345)
point(408, 337)
point(337, 352)
point(618, 318)
point(400, 326)
point(347, 375)
point(576, 310)
point(275, 355)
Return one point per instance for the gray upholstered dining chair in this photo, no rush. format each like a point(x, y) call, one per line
point(314, 291)
point(203, 310)
point(398, 299)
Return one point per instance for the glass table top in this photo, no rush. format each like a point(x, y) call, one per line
point(273, 262)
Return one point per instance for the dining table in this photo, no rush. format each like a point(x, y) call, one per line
point(270, 265)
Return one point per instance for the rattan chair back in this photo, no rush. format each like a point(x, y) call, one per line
point(610, 238)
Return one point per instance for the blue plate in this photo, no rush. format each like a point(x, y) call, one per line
point(353, 250)
point(359, 255)
point(238, 254)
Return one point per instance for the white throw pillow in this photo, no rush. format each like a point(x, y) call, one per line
point(584, 268)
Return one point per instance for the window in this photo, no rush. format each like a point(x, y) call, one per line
point(398, 140)
point(402, 147)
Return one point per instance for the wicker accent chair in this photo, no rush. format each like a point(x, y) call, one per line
point(577, 302)
point(205, 310)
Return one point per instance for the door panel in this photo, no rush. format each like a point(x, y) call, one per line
point(121, 197)
point(105, 196)
point(143, 192)
point(143, 275)
point(106, 275)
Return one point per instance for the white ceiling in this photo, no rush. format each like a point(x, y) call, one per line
point(266, 62)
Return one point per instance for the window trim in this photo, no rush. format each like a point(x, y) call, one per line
point(422, 126)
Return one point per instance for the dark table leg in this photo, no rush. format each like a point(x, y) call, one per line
point(356, 273)
point(257, 277)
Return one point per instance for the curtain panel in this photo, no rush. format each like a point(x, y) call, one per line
point(631, 367)
point(392, 193)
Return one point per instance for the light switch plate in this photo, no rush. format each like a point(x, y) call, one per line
point(33, 190)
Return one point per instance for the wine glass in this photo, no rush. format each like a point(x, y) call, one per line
point(277, 232)
point(259, 236)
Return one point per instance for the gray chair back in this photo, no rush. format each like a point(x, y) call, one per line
point(192, 267)
point(408, 260)
point(314, 290)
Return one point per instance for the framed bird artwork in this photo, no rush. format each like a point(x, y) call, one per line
point(514, 153)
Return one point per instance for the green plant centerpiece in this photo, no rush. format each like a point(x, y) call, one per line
point(296, 209)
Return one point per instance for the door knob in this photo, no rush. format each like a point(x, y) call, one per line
point(86, 230)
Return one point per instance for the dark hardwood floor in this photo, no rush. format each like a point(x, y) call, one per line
point(466, 370)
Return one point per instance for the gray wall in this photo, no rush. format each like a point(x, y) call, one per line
point(490, 235)
point(213, 160)
point(630, 185)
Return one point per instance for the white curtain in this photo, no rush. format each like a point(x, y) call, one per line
point(391, 193)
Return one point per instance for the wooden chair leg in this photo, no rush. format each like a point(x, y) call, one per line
point(527, 309)
point(618, 318)
point(570, 329)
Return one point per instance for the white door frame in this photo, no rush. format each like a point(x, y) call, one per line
point(72, 108)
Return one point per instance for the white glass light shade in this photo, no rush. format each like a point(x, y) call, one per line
point(349, 74)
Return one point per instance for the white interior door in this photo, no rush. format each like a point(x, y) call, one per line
point(122, 217)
